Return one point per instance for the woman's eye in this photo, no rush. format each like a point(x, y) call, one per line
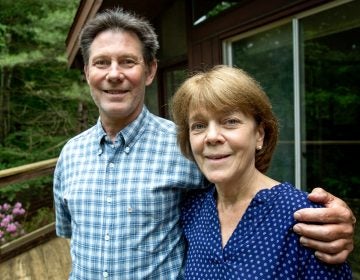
point(232, 121)
point(197, 126)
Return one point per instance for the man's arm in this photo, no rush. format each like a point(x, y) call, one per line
point(330, 230)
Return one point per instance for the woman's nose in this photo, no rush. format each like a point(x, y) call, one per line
point(213, 134)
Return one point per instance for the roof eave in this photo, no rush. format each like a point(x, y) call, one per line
point(87, 10)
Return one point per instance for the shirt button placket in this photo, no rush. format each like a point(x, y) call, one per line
point(108, 199)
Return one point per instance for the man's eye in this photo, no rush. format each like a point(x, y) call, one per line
point(128, 63)
point(101, 63)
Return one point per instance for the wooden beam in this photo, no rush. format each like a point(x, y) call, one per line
point(27, 238)
point(28, 171)
point(88, 11)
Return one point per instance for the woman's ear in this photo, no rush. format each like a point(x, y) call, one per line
point(260, 136)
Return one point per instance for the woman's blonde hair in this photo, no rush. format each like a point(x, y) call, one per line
point(225, 89)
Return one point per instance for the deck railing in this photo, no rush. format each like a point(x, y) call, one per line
point(17, 175)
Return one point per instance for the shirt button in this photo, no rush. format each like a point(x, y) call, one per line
point(107, 237)
point(129, 209)
point(99, 152)
point(127, 150)
point(108, 199)
point(105, 274)
point(111, 164)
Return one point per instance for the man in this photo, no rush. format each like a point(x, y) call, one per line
point(118, 186)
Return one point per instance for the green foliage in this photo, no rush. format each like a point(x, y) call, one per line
point(28, 193)
point(21, 58)
point(222, 6)
point(42, 217)
point(40, 95)
point(9, 193)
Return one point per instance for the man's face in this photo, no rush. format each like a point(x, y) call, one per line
point(117, 76)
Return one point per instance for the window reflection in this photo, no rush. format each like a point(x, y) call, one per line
point(331, 59)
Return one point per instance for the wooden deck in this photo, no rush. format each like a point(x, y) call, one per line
point(48, 261)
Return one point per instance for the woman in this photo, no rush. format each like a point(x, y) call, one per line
point(242, 227)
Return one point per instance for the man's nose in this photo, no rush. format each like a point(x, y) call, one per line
point(115, 72)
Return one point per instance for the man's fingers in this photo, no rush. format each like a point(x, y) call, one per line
point(330, 230)
point(333, 259)
point(325, 215)
point(319, 195)
point(330, 248)
point(325, 232)
point(329, 252)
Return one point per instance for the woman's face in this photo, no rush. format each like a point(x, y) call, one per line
point(224, 144)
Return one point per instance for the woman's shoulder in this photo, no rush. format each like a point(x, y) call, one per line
point(195, 201)
point(292, 197)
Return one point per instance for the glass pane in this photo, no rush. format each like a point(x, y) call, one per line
point(268, 57)
point(330, 150)
point(151, 98)
point(331, 55)
point(173, 79)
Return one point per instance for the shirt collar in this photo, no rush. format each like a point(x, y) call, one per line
point(262, 196)
point(130, 132)
point(99, 131)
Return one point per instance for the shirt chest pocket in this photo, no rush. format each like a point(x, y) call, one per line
point(85, 203)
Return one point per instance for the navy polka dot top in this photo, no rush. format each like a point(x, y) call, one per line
point(263, 246)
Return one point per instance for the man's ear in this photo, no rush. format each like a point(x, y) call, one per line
point(151, 72)
point(86, 72)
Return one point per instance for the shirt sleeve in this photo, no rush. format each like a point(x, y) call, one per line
point(313, 268)
point(63, 217)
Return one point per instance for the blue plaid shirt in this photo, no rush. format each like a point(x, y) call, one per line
point(120, 202)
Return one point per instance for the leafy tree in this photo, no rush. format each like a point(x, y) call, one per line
point(42, 102)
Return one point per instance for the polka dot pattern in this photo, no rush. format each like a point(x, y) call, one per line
point(263, 246)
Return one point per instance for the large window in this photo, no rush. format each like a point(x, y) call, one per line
point(330, 67)
point(309, 66)
point(173, 77)
point(151, 97)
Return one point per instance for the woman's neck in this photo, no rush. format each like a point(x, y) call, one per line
point(234, 199)
point(244, 188)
